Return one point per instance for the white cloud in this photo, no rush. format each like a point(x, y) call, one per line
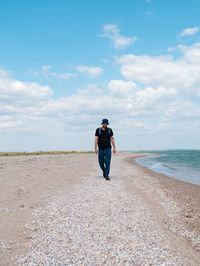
point(92, 72)
point(68, 75)
point(22, 92)
point(191, 53)
point(91, 89)
point(182, 74)
point(189, 31)
point(4, 73)
point(22, 105)
point(48, 74)
point(159, 97)
point(150, 97)
point(112, 32)
point(184, 110)
point(29, 107)
point(121, 88)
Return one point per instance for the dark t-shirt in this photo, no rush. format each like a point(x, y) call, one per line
point(104, 138)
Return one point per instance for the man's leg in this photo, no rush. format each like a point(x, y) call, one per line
point(101, 159)
point(107, 161)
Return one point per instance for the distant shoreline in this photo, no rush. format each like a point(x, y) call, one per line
point(41, 153)
point(45, 153)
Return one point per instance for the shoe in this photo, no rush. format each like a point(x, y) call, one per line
point(107, 178)
point(104, 174)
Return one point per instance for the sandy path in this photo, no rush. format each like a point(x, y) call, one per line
point(23, 181)
point(78, 217)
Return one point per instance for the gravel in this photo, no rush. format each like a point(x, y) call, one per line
point(94, 223)
point(127, 220)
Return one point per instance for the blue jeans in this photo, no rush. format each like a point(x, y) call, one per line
point(104, 160)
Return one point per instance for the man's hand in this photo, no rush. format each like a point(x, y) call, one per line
point(95, 144)
point(113, 144)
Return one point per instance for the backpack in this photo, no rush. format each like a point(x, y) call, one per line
point(100, 131)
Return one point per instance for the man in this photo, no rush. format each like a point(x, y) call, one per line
point(103, 137)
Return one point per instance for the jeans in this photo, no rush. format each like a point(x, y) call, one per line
point(104, 160)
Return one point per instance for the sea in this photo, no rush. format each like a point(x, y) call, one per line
point(180, 164)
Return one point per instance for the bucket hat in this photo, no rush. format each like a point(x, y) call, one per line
point(105, 121)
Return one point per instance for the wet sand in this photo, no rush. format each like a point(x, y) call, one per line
point(26, 182)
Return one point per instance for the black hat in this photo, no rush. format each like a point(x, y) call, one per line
point(105, 121)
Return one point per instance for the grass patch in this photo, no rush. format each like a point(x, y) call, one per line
point(42, 153)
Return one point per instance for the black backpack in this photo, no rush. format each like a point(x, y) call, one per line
point(100, 131)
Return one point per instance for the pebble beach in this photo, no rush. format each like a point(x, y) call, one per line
point(59, 210)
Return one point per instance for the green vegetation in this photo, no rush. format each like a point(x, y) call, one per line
point(42, 153)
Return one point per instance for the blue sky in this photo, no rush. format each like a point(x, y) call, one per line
point(65, 65)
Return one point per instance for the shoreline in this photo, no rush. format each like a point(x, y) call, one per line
point(170, 203)
point(149, 154)
point(184, 195)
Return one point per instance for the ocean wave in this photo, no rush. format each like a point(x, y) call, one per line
point(173, 165)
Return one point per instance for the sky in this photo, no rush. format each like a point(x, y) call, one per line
point(67, 64)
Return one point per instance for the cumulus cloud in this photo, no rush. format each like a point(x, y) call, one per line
point(171, 90)
point(48, 74)
point(24, 92)
point(90, 89)
point(156, 94)
point(182, 111)
point(4, 73)
point(112, 32)
point(92, 72)
point(121, 88)
point(191, 53)
point(30, 107)
point(188, 31)
point(68, 75)
point(182, 74)
point(23, 105)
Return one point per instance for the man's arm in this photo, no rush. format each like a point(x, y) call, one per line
point(113, 144)
point(95, 144)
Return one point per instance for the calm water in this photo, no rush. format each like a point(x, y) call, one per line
point(180, 164)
